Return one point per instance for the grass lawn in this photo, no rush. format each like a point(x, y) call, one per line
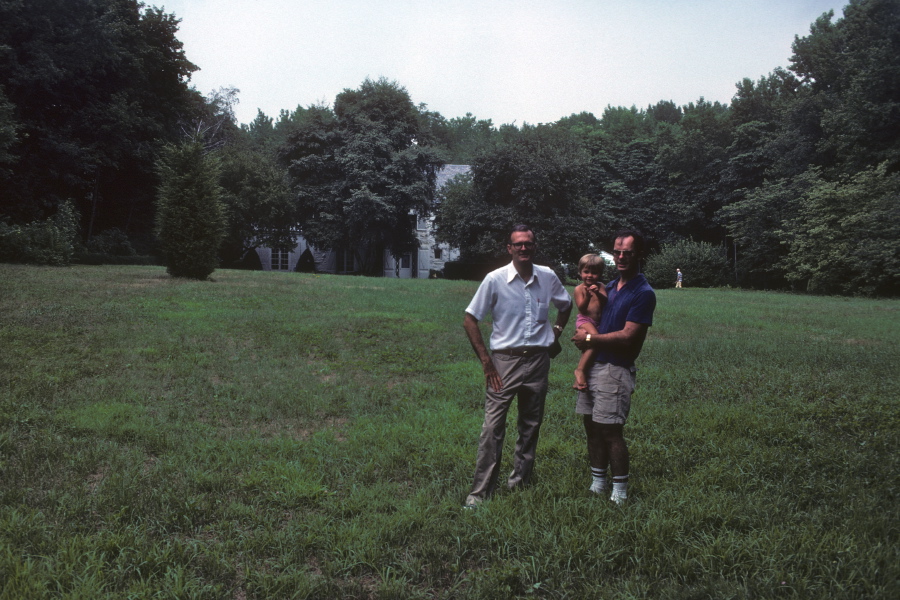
point(269, 435)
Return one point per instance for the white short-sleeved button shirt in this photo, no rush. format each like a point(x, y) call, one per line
point(520, 308)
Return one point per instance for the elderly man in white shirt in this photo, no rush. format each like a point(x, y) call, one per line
point(518, 296)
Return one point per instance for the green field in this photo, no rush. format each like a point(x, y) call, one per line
point(268, 435)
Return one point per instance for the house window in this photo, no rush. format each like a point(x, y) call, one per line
point(437, 253)
point(422, 223)
point(280, 260)
point(406, 261)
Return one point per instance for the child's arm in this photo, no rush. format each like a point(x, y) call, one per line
point(582, 298)
point(602, 296)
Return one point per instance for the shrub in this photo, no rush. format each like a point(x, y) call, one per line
point(191, 217)
point(112, 242)
point(702, 264)
point(49, 242)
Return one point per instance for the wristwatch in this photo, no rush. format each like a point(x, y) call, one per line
point(558, 328)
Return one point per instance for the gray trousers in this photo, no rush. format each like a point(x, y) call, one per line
point(524, 378)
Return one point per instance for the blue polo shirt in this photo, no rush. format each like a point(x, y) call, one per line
point(635, 302)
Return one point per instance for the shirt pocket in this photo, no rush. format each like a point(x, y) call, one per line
point(543, 311)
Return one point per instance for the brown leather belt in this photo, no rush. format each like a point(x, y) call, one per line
point(529, 351)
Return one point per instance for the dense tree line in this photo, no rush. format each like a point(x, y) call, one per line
point(89, 92)
point(795, 182)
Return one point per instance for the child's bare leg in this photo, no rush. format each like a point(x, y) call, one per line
point(586, 360)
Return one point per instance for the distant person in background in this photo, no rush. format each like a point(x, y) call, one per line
point(606, 402)
point(678, 278)
point(518, 296)
point(590, 297)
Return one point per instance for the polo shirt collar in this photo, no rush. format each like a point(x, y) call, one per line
point(633, 282)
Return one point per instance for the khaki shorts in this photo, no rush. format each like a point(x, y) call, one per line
point(608, 397)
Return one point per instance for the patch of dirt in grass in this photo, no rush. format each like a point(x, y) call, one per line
point(94, 479)
point(363, 287)
point(369, 583)
point(313, 564)
point(148, 281)
point(304, 430)
point(297, 429)
point(148, 463)
point(860, 342)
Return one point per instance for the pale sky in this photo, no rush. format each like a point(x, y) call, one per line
point(511, 61)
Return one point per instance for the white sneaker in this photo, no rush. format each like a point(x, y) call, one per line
point(599, 488)
point(619, 497)
point(472, 502)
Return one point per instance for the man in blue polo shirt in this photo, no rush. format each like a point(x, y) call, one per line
point(518, 297)
point(623, 328)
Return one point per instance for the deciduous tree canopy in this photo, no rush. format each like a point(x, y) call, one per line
point(96, 86)
point(359, 171)
point(800, 169)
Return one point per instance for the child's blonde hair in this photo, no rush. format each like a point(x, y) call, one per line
point(594, 262)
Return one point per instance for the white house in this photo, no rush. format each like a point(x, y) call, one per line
point(429, 258)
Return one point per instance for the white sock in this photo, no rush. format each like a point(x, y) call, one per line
point(620, 486)
point(599, 477)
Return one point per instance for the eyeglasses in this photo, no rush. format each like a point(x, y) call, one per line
point(523, 245)
point(623, 253)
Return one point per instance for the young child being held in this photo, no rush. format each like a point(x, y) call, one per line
point(590, 297)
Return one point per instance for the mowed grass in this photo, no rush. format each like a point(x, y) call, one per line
point(269, 435)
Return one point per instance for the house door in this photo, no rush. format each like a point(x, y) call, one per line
point(406, 267)
point(423, 265)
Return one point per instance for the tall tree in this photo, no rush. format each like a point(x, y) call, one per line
point(257, 196)
point(538, 175)
point(360, 172)
point(97, 86)
point(853, 67)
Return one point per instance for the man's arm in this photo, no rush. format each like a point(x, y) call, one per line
point(628, 341)
point(470, 324)
point(562, 317)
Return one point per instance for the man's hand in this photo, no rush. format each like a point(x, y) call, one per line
point(492, 377)
point(580, 340)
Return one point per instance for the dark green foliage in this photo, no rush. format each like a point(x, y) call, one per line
point(846, 236)
point(8, 127)
point(360, 173)
point(49, 242)
point(536, 175)
point(112, 247)
point(803, 159)
point(460, 139)
point(853, 67)
point(261, 209)
point(95, 87)
point(755, 223)
point(703, 265)
point(113, 242)
point(191, 218)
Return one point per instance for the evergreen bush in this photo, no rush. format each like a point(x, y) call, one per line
point(702, 264)
point(191, 218)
